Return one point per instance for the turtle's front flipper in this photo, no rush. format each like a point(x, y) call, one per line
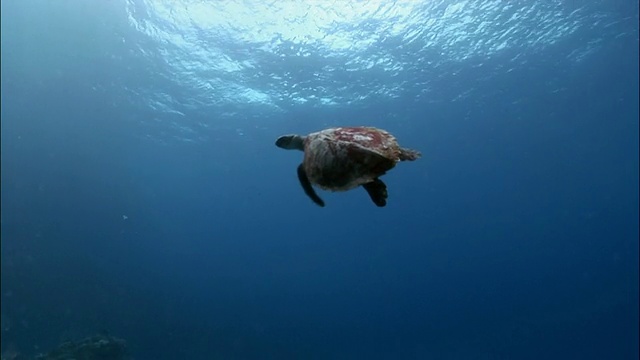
point(306, 185)
point(377, 190)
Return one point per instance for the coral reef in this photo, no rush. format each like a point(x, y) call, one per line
point(100, 347)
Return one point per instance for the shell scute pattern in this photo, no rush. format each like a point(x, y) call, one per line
point(341, 159)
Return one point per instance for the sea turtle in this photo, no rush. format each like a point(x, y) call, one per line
point(343, 158)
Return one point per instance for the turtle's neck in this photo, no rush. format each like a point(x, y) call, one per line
point(297, 142)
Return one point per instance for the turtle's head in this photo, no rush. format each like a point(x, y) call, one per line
point(291, 142)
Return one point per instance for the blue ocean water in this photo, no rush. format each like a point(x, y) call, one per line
point(142, 193)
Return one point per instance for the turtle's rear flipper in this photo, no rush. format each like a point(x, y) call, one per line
point(377, 190)
point(409, 154)
point(306, 185)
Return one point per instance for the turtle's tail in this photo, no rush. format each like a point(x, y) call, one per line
point(409, 154)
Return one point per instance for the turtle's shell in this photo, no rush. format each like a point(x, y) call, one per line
point(343, 158)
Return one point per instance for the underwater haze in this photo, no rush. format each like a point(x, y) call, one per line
point(143, 194)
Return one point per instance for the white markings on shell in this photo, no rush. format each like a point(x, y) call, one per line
point(360, 137)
